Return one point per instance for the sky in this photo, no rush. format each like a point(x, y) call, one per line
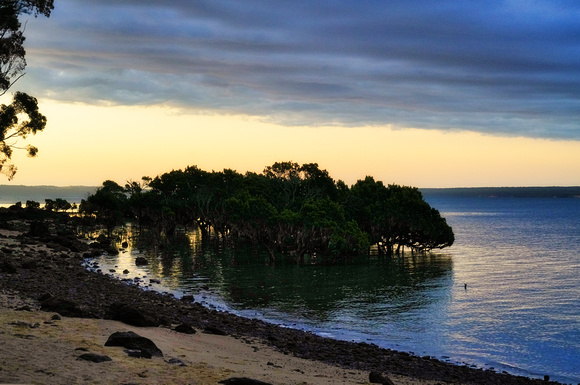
point(439, 93)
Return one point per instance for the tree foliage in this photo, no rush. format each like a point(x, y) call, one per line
point(291, 211)
point(108, 204)
point(21, 117)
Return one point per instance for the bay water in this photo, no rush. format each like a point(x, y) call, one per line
point(505, 296)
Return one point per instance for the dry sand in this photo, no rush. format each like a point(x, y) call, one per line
point(37, 350)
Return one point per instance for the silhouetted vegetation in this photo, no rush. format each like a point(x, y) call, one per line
point(21, 117)
point(292, 211)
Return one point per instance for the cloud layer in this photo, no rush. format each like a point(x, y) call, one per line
point(507, 67)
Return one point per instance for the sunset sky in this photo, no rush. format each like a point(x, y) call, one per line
point(426, 93)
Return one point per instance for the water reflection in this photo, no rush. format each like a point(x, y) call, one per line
point(374, 288)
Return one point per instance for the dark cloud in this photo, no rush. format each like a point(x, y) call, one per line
point(504, 67)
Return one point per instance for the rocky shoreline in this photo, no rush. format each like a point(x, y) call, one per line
point(48, 269)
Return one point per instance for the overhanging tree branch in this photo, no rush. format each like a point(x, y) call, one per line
point(21, 117)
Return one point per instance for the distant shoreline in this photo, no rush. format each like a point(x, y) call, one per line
point(504, 192)
point(10, 194)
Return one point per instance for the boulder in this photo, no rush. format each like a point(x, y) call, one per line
point(141, 261)
point(133, 341)
point(243, 381)
point(185, 328)
point(379, 378)
point(8, 267)
point(38, 229)
point(214, 330)
point(130, 315)
point(62, 306)
point(93, 357)
point(137, 353)
point(176, 362)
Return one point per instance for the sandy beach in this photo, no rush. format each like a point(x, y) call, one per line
point(41, 277)
point(38, 350)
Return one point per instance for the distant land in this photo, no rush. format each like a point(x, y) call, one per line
point(504, 192)
point(10, 194)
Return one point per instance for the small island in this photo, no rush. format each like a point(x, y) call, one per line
point(297, 213)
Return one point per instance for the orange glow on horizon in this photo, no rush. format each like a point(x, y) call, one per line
point(85, 145)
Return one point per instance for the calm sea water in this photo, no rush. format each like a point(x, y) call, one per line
point(520, 312)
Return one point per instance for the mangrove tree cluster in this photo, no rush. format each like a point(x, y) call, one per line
point(290, 210)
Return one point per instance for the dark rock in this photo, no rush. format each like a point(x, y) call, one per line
point(187, 298)
point(44, 297)
point(176, 362)
point(185, 328)
point(164, 320)
point(214, 330)
point(78, 247)
point(141, 261)
point(133, 341)
point(55, 317)
point(130, 315)
point(243, 381)
point(125, 271)
point(8, 267)
point(379, 378)
point(138, 353)
point(29, 264)
point(63, 307)
point(93, 357)
point(92, 254)
point(38, 229)
point(111, 250)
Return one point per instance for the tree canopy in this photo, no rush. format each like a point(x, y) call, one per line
point(290, 210)
point(21, 117)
